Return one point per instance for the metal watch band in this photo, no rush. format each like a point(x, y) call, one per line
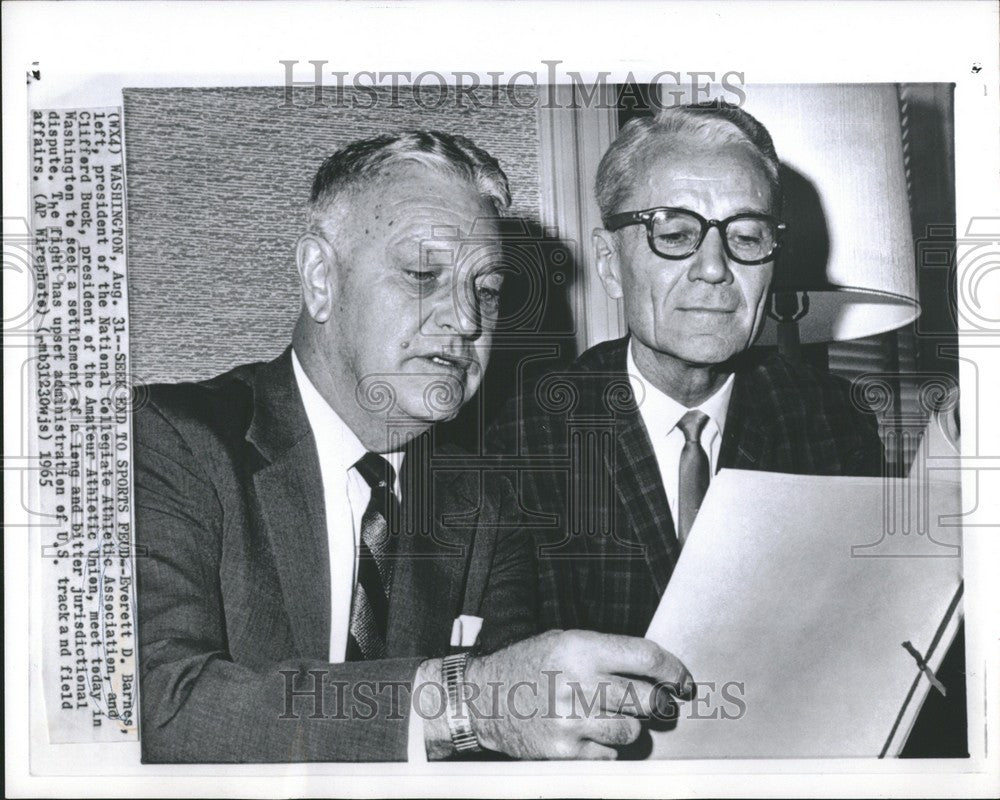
point(459, 726)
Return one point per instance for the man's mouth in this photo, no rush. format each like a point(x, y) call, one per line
point(450, 361)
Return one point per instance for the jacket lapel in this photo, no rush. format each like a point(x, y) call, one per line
point(637, 479)
point(439, 510)
point(746, 444)
point(638, 483)
point(432, 553)
point(640, 489)
point(290, 491)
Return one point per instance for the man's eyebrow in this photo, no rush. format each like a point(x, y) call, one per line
point(411, 229)
point(408, 249)
point(491, 271)
point(750, 210)
point(737, 212)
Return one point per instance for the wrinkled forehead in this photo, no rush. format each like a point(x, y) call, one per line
point(720, 162)
point(419, 215)
point(419, 198)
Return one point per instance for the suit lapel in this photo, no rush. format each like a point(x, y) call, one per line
point(746, 444)
point(433, 552)
point(638, 483)
point(640, 489)
point(290, 492)
point(432, 556)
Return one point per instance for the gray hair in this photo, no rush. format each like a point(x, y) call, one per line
point(360, 162)
point(712, 123)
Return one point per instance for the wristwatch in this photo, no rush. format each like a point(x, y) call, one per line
point(459, 725)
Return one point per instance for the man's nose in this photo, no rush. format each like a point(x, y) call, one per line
point(710, 263)
point(458, 311)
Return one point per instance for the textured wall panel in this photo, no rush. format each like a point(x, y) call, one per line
point(217, 182)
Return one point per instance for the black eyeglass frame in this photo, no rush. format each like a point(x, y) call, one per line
point(647, 216)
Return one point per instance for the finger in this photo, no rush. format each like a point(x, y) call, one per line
point(668, 692)
point(617, 731)
point(592, 751)
point(631, 696)
point(641, 699)
point(630, 655)
point(666, 709)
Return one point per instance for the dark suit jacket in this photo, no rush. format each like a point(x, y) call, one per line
point(234, 584)
point(590, 483)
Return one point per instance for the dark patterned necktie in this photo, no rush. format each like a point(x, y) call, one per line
point(379, 524)
point(694, 472)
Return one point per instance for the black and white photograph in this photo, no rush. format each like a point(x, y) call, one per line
point(386, 415)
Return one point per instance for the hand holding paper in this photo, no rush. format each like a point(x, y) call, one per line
point(573, 694)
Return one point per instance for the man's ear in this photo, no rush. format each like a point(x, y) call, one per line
point(608, 264)
point(317, 264)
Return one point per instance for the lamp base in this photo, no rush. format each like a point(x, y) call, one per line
point(788, 341)
point(787, 309)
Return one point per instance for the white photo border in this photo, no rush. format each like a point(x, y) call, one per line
point(87, 52)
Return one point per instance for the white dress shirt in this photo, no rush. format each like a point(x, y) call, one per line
point(345, 498)
point(660, 414)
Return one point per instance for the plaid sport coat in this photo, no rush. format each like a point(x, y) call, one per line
point(589, 482)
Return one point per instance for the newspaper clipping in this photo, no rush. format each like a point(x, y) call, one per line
point(82, 423)
point(421, 419)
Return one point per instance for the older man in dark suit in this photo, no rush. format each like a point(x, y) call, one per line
point(616, 452)
point(310, 559)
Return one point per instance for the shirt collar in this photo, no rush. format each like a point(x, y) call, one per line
point(658, 405)
point(334, 438)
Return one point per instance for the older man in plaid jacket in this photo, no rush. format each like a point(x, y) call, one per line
point(616, 452)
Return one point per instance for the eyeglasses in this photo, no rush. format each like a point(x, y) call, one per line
point(677, 233)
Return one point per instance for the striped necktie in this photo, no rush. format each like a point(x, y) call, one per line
point(379, 526)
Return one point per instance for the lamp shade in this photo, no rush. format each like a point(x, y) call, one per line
point(849, 243)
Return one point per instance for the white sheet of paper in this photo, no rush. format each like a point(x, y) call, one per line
point(790, 604)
